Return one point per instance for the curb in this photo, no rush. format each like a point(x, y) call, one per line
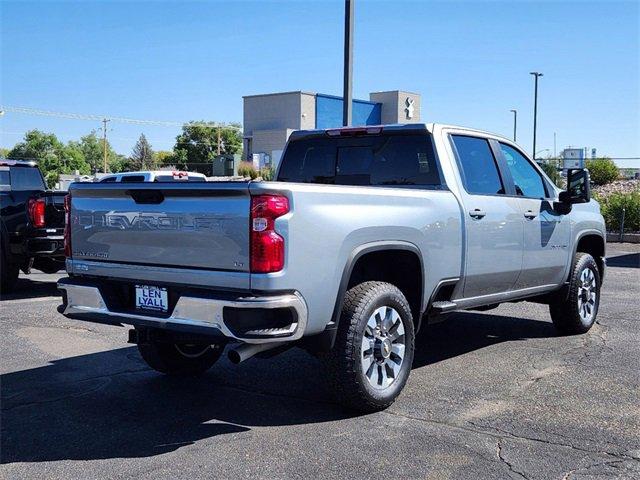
point(626, 238)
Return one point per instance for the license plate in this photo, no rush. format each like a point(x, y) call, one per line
point(149, 297)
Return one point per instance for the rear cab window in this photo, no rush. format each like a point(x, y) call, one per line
point(392, 159)
point(25, 178)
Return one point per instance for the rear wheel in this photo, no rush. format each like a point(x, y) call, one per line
point(180, 359)
point(577, 313)
point(372, 356)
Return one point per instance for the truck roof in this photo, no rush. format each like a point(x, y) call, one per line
point(402, 127)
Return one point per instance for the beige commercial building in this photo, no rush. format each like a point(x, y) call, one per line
point(270, 118)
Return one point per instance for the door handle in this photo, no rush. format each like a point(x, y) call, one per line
point(477, 213)
point(530, 215)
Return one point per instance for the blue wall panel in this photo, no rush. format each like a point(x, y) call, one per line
point(329, 112)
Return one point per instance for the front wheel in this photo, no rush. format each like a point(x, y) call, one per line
point(180, 359)
point(371, 359)
point(577, 313)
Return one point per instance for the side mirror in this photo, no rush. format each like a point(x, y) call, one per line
point(578, 187)
point(578, 190)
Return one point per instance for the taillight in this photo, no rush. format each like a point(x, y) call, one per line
point(36, 212)
point(67, 225)
point(267, 247)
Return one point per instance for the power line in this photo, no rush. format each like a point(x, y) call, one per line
point(100, 118)
point(152, 141)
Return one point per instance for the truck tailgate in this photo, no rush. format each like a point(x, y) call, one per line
point(178, 225)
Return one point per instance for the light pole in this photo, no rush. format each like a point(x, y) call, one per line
point(515, 123)
point(348, 62)
point(104, 142)
point(535, 110)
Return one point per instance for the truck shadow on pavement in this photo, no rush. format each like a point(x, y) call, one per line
point(110, 405)
point(630, 260)
point(29, 288)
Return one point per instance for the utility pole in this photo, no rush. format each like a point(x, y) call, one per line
point(515, 123)
point(535, 110)
point(348, 62)
point(218, 139)
point(554, 144)
point(104, 141)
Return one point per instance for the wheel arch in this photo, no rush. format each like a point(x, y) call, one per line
point(593, 243)
point(371, 252)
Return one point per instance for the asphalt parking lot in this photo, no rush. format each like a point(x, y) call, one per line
point(492, 395)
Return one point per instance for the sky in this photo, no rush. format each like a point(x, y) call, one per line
point(181, 61)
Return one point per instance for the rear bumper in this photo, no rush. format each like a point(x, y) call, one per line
point(211, 315)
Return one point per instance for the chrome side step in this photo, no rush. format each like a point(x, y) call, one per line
point(443, 306)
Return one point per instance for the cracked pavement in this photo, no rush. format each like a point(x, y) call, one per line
point(492, 394)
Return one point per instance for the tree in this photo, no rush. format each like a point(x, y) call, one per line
point(231, 136)
point(52, 156)
point(4, 152)
point(120, 163)
point(142, 156)
point(164, 158)
point(197, 145)
point(93, 150)
point(74, 159)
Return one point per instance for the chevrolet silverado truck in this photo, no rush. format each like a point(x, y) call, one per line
point(31, 223)
point(365, 235)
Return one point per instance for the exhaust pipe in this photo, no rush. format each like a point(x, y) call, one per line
point(248, 350)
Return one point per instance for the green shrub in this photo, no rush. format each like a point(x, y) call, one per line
point(245, 169)
point(603, 170)
point(611, 207)
point(267, 174)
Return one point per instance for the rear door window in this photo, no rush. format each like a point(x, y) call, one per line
point(26, 178)
point(478, 166)
point(370, 160)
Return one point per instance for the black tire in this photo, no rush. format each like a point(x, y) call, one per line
point(352, 386)
point(8, 276)
point(180, 359)
point(574, 314)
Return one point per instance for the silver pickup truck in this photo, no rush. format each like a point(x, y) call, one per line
point(367, 234)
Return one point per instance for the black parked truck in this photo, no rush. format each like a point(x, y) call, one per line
point(32, 223)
